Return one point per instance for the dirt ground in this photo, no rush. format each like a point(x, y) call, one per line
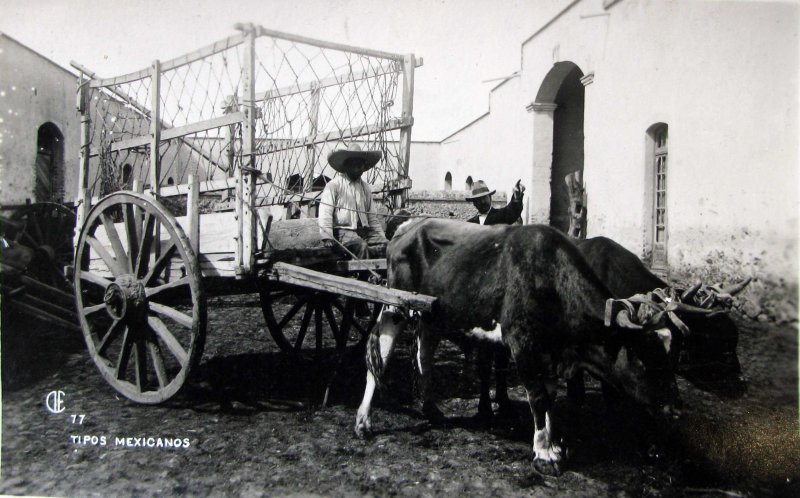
point(254, 426)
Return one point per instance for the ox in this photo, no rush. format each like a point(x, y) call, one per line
point(706, 357)
point(708, 354)
point(551, 308)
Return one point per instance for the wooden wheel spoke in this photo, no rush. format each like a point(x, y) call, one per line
point(145, 244)
point(158, 364)
point(88, 310)
point(171, 313)
point(152, 291)
point(292, 312)
point(112, 332)
point(115, 266)
point(95, 279)
point(133, 232)
point(140, 360)
point(332, 323)
point(160, 264)
point(124, 355)
point(318, 327)
point(37, 228)
point(116, 243)
point(301, 334)
point(31, 242)
point(170, 341)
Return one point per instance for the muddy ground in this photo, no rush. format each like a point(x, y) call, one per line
point(254, 425)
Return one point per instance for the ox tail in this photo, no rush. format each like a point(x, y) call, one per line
point(374, 360)
point(381, 340)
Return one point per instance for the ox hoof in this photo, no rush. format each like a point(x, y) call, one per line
point(547, 467)
point(363, 432)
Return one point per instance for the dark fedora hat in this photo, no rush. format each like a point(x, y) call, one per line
point(338, 158)
point(479, 189)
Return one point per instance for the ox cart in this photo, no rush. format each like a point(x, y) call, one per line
point(36, 244)
point(201, 176)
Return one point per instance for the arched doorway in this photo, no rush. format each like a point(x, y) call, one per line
point(561, 99)
point(49, 168)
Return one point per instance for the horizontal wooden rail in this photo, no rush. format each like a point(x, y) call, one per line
point(361, 264)
point(196, 55)
point(261, 31)
point(335, 135)
point(177, 132)
point(327, 82)
point(304, 277)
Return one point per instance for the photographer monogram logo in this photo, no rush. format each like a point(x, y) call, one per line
point(54, 403)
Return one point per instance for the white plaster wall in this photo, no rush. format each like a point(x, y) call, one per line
point(424, 166)
point(33, 91)
point(497, 147)
point(723, 75)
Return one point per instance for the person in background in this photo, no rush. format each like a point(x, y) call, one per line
point(346, 211)
point(487, 215)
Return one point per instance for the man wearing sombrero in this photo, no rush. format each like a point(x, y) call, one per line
point(487, 215)
point(346, 211)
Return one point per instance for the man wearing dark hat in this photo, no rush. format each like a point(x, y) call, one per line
point(346, 212)
point(487, 215)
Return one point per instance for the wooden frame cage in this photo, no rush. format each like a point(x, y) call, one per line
point(246, 124)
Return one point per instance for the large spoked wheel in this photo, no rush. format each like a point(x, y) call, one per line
point(47, 228)
point(299, 319)
point(139, 297)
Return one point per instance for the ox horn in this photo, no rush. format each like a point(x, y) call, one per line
point(624, 321)
point(737, 288)
point(687, 296)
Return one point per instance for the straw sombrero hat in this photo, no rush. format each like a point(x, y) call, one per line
point(479, 189)
point(338, 158)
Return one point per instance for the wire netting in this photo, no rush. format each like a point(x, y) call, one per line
point(309, 100)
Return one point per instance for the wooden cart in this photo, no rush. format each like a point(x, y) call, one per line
point(201, 175)
point(36, 245)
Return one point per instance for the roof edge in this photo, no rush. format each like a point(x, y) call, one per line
point(5, 35)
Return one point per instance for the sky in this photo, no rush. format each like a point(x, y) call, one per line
point(463, 42)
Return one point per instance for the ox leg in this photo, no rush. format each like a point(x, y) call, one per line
point(576, 389)
point(379, 350)
point(484, 364)
point(427, 342)
point(502, 359)
point(540, 390)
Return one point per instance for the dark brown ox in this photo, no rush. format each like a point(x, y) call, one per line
point(706, 356)
point(534, 283)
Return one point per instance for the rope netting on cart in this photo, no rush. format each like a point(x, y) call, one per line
point(309, 99)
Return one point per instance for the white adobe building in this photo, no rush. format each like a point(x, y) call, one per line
point(39, 127)
point(683, 117)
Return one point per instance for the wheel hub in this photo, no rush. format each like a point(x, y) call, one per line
point(125, 298)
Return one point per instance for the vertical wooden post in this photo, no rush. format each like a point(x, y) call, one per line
point(84, 198)
point(311, 150)
point(409, 63)
point(231, 105)
point(193, 212)
point(155, 126)
point(246, 178)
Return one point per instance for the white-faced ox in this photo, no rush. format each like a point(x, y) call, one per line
point(534, 283)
